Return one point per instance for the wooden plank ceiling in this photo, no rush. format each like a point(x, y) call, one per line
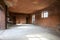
point(27, 6)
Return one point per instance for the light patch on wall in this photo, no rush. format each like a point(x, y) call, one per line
point(33, 18)
point(44, 14)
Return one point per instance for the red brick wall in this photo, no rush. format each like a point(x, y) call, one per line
point(50, 21)
point(2, 15)
point(21, 19)
point(53, 19)
point(2, 20)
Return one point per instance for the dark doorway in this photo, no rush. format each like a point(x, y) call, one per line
point(27, 20)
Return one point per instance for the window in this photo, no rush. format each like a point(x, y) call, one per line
point(44, 14)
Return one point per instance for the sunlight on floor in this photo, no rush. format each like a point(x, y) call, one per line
point(36, 37)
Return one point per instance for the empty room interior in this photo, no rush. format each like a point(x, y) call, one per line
point(29, 19)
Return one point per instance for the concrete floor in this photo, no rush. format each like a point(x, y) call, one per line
point(29, 32)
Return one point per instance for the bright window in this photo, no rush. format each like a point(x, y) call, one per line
point(44, 14)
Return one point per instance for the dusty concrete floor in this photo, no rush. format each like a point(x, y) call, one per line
point(29, 32)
